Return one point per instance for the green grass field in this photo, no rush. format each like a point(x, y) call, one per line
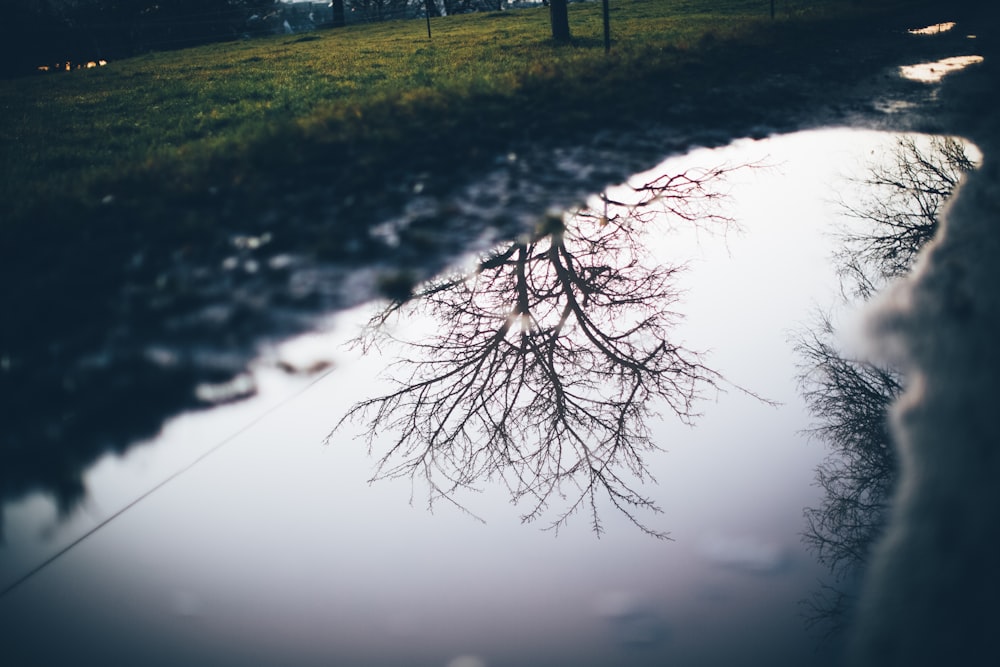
point(355, 101)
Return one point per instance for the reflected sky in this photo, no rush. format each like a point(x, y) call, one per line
point(275, 549)
point(935, 71)
point(935, 29)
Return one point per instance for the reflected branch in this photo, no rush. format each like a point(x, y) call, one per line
point(901, 211)
point(547, 362)
point(851, 397)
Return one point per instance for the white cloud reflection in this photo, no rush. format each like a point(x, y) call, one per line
point(746, 554)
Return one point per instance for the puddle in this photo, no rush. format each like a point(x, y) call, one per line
point(935, 71)
point(171, 326)
point(277, 549)
point(935, 29)
point(895, 106)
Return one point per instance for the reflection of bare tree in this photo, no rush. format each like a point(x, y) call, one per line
point(547, 361)
point(901, 211)
point(850, 397)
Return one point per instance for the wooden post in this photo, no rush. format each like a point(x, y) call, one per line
point(607, 26)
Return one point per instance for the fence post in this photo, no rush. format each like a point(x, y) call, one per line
point(607, 26)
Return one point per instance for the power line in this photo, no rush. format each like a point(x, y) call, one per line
point(225, 441)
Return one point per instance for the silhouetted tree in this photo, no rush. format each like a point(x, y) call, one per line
point(559, 20)
point(339, 15)
point(383, 10)
point(850, 397)
point(548, 359)
point(466, 6)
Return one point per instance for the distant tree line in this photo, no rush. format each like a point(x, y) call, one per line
point(381, 10)
point(36, 33)
point(40, 32)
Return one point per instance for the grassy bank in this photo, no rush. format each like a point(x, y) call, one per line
point(159, 129)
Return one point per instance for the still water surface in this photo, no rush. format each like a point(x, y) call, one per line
point(276, 549)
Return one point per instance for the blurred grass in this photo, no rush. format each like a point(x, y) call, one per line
point(355, 102)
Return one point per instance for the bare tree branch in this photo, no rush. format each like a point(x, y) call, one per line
point(548, 362)
point(850, 397)
point(901, 212)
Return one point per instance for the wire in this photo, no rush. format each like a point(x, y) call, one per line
point(225, 441)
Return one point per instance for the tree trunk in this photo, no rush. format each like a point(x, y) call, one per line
point(339, 21)
point(559, 16)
